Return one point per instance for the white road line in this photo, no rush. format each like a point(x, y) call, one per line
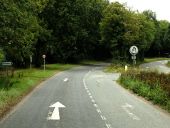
point(98, 110)
point(94, 102)
point(65, 80)
point(108, 125)
point(88, 91)
point(95, 105)
point(89, 94)
point(126, 108)
point(91, 97)
point(86, 88)
point(103, 117)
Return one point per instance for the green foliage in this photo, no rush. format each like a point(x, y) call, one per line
point(121, 28)
point(167, 40)
point(151, 85)
point(2, 56)
point(71, 30)
point(168, 64)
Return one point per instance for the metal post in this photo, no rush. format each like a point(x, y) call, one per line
point(44, 64)
point(30, 61)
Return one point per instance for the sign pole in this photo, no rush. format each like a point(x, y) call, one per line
point(133, 51)
point(30, 61)
point(44, 64)
point(44, 56)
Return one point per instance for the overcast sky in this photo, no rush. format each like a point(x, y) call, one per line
point(161, 7)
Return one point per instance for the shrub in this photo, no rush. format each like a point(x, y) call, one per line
point(151, 85)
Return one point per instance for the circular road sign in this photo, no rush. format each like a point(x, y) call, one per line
point(43, 56)
point(133, 50)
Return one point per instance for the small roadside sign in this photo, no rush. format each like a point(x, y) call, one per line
point(134, 57)
point(43, 56)
point(6, 63)
point(133, 50)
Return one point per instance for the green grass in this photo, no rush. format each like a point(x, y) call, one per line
point(117, 66)
point(148, 60)
point(156, 91)
point(152, 86)
point(168, 64)
point(13, 89)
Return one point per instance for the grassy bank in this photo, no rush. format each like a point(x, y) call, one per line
point(148, 60)
point(151, 85)
point(12, 90)
point(168, 64)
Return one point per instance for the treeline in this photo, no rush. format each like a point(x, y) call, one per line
point(71, 30)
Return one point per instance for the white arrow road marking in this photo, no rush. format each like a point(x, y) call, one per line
point(55, 114)
point(65, 80)
point(132, 115)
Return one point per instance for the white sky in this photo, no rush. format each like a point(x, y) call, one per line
point(161, 7)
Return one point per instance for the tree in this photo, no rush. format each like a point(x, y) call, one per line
point(166, 44)
point(121, 28)
point(157, 47)
point(19, 29)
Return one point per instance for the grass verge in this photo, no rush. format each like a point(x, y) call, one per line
point(168, 64)
point(150, 85)
point(12, 90)
point(148, 60)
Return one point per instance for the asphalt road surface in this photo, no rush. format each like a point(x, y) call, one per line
point(160, 66)
point(84, 97)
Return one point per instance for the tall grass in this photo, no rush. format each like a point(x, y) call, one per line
point(168, 64)
point(151, 85)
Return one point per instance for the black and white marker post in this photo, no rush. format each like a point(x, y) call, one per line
point(134, 51)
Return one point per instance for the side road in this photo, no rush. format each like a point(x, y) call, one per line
point(160, 66)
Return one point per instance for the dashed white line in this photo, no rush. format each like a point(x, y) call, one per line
point(91, 97)
point(94, 103)
point(65, 80)
point(132, 115)
point(88, 91)
point(103, 117)
point(98, 110)
point(108, 125)
point(89, 94)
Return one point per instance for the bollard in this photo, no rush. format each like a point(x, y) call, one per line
point(126, 68)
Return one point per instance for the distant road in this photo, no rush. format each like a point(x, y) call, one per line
point(84, 97)
point(160, 66)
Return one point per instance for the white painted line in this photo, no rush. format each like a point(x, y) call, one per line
point(55, 114)
point(108, 125)
point(103, 117)
point(91, 97)
point(98, 110)
point(88, 91)
point(65, 80)
point(132, 115)
point(92, 100)
point(86, 88)
point(89, 94)
point(95, 105)
point(128, 106)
